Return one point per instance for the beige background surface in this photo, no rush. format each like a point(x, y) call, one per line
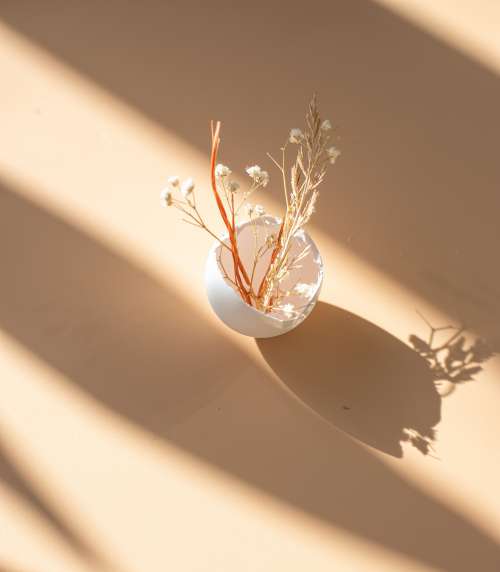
point(136, 432)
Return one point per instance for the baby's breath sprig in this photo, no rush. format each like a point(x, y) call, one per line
point(186, 204)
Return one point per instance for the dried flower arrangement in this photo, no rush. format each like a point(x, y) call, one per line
point(259, 281)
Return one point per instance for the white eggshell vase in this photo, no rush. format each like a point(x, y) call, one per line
point(226, 301)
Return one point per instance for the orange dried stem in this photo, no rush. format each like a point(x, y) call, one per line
point(238, 265)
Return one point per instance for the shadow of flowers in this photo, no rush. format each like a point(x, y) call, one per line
point(453, 360)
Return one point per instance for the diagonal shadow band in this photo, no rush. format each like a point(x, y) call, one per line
point(128, 341)
point(14, 479)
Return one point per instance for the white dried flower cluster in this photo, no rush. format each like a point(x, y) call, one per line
point(186, 189)
point(333, 154)
point(296, 135)
point(306, 290)
point(258, 175)
point(222, 171)
point(257, 210)
point(326, 125)
point(173, 181)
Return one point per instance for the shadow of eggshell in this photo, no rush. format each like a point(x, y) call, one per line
point(226, 301)
point(359, 378)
